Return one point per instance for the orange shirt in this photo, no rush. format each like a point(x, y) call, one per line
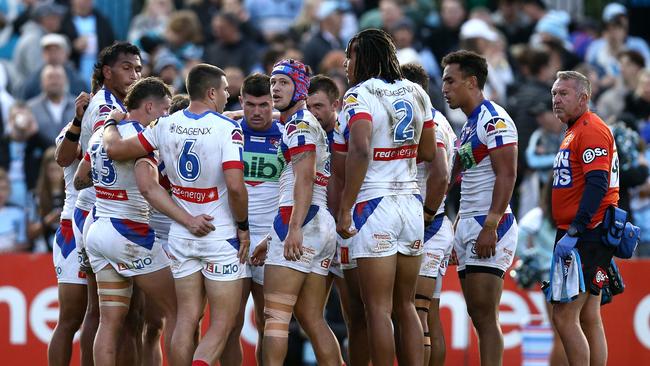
point(588, 145)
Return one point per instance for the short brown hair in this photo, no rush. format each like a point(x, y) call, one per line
point(325, 84)
point(149, 87)
point(179, 101)
point(256, 85)
point(416, 73)
point(201, 78)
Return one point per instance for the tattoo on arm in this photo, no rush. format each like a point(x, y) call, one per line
point(81, 183)
point(297, 158)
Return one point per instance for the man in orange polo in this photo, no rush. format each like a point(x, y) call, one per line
point(585, 183)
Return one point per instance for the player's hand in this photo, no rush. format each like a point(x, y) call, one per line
point(293, 245)
point(565, 245)
point(259, 253)
point(344, 224)
point(428, 219)
point(236, 115)
point(200, 225)
point(486, 243)
point(117, 115)
point(80, 104)
point(453, 258)
point(244, 237)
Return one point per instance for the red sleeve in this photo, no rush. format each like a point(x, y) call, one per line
point(235, 164)
point(87, 157)
point(145, 143)
point(339, 147)
point(298, 149)
point(429, 124)
point(359, 116)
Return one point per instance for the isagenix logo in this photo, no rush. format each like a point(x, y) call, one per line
point(259, 167)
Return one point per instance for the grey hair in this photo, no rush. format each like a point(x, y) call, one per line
point(583, 83)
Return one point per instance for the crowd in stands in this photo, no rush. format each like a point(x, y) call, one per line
point(48, 49)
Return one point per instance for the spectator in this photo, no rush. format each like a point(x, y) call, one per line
point(235, 77)
point(183, 35)
point(47, 18)
point(612, 102)
point(21, 150)
point(545, 141)
point(273, 16)
point(152, 21)
point(168, 67)
point(232, 47)
point(326, 37)
point(446, 37)
point(603, 51)
point(633, 168)
point(637, 102)
point(54, 107)
point(512, 22)
point(13, 226)
point(410, 50)
point(49, 194)
point(89, 31)
point(56, 52)
point(6, 99)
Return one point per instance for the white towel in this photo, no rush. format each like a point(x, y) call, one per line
point(567, 280)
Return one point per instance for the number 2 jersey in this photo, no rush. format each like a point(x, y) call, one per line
point(101, 104)
point(303, 132)
point(196, 149)
point(398, 112)
point(488, 127)
point(116, 190)
point(588, 145)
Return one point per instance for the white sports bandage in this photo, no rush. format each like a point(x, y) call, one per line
point(113, 289)
point(277, 312)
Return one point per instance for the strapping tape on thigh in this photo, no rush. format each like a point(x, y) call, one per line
point(113, 289)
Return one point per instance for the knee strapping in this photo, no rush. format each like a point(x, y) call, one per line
point(427, 339)
point(277, 313)
point(113, 289)
point(422, 303)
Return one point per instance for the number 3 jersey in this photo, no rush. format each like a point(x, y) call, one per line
point(588, 145)
point(488, 127)
point(303, 132)
point(114, 181)
point(398, 112)
point(196, 149)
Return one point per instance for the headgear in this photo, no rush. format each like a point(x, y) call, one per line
point(299, 74)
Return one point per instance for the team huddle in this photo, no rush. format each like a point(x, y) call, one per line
point(171, 204)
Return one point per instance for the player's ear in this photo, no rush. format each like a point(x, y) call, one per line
point(336, 104)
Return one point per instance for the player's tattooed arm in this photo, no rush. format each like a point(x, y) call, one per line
point(83, 177)
point(295, 159)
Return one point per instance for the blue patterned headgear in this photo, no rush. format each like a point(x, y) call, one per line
point(298, 73)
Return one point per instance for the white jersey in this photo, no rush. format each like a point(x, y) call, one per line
point(262, 169)
point(96, 114)
point(488, 127)
point(117, 192)
point(196, 149)
point(158, 221)
point(68, 177)
point(303, 132)
point(398, 112)
point(446, 139)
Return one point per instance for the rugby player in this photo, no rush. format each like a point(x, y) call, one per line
point(202, 150)
point(486, 233)
point(385, 122)
point(117, 68)
point(302, 241)
point(433, 179)
point(120, 244)
point(262, 169)
point(323, 102)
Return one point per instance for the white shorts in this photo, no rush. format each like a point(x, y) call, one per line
point(79, 218)
point(438, 241)
point(438, 289)
point(318, 241)
point(343, 249)
point(256, 273)
point(335, 266)
point(216, 259)
point(387, 225)
point(128, 246)
point(466, 233)
point(64, 254)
